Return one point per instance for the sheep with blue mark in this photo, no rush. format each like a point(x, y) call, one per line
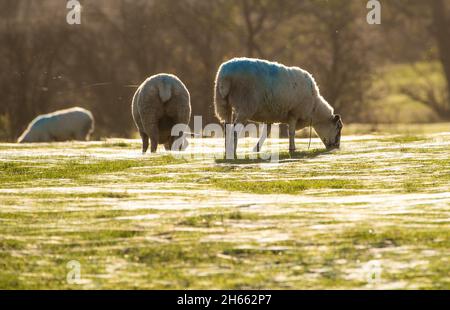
point(161, 102)
point(268, 92)
point(64, 125)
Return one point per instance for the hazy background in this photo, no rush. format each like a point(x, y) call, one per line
point(396, 72)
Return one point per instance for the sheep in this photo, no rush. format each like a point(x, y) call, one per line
point(159, 103)
point(268, 92)
point(63, 125)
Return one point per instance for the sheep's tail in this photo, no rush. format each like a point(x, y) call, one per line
point(165, 91)
point(221, 96)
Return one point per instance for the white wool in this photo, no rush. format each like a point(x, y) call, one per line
point(159, 103)
point(63, 125)
point(269, 92)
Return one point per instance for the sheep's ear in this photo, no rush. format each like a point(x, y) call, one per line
point(336, 118)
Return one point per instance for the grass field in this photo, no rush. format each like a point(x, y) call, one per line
point(375, 214)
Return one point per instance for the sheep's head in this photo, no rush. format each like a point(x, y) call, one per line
point(329, 131)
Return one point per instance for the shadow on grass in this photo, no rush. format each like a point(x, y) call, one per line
point(282, 156)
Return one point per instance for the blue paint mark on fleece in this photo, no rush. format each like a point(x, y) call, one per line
point(255, 66)
point(265, 71)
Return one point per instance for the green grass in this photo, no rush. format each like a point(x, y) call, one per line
point(403, 139)
point(285, 186)
point(71, 169)
point(315, 220)
point(120, 144)
point(215, 219)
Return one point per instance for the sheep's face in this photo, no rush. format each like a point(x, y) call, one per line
point(330, 132)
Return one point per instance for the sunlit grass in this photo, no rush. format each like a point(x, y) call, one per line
point(314, 220)
point(284, 186)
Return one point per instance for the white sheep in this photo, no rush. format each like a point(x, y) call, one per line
point(268, 92)
point(64, 125)
point(159, 103)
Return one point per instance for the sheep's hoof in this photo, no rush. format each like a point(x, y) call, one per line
point(168, 147)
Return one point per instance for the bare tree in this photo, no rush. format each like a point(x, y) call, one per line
point(47, 64)
point(32, 47)
point(441, 31)
point(336, 50)
point(429, 19)
point(259, 23)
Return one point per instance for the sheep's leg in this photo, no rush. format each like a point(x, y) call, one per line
point(240, 120)
point(168, 145)
point(144, 138)
point(181, 140)
point(185, 143)
point(228, 129)
point(265, 134)
point(230, 148)
point(292, 125)
point(235, 141)
point(154, 134)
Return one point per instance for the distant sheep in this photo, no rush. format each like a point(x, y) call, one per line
point(161, 102)
point(269, 92)
point(64, 125)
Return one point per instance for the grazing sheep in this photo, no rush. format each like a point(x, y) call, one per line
point(161, 102)
point(268, 92)
point(64, 125)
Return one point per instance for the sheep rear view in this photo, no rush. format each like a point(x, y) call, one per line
point(64, 125)
point(268, 92)
point(161, 102)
